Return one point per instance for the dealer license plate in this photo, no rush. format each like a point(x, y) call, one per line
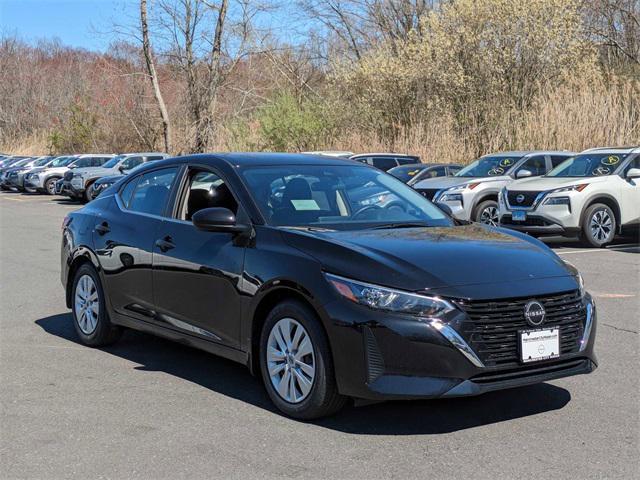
point(536, 345)
point(519, 216)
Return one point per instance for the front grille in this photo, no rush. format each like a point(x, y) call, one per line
point(68, 175)
point(428, 193)
point(492, 331)
point(527, 201)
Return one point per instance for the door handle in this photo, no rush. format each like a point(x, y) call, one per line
point(165, 244)
point(102, 228)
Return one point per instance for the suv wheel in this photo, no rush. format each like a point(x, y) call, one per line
point(296, 365)
point(89, 313)
point(487, 213)
point(598, 225)
point(87, 193)
point(50, 186)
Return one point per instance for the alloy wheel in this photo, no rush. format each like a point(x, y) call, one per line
point(601, 226)
point(87, 304)
point(291, 360)
point(51, 188)
point(489, 216)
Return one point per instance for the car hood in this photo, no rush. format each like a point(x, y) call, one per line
point(55, 170)
point(440, 182)
point(539, 184)
point(437, 258)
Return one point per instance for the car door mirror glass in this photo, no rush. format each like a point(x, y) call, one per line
point(524, 173)
point(633, 173)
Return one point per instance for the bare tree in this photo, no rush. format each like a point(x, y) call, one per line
point(153, 76)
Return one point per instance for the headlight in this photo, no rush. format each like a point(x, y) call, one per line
point(557, 201)
point(570, 188)
point(387, 299)
point(450, 197)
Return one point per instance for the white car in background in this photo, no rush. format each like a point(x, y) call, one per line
point(594, 195)
point(472, 193)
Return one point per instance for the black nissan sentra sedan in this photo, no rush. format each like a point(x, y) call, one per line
point(267, 260)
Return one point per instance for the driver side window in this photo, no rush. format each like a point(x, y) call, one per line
point(536, 165)
point(206, 190)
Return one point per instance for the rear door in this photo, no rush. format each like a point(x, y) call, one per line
point(196, 274)
point(124, 235)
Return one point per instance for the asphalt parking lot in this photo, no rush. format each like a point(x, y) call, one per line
point(148, 408)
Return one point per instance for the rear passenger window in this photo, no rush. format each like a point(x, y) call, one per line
point(152, 191)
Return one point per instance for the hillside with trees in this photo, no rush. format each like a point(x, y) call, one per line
point(448, 80)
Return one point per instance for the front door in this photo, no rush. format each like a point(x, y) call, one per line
point(196, 274)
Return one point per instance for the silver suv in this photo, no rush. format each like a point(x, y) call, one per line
point(77, 182)
point(594, 195)
point(472, 193)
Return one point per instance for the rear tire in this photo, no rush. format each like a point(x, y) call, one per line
point(90, 317)
point(487, 213)
point(598, 226)
point(312, 361)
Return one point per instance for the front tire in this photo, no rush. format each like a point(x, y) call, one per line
point(50, 186)
point(296, 363)
point(598, 226)
point(487, 213)
point(90, 317)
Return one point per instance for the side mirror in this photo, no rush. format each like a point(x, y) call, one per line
point(218, 219)
point(633, 173)
point(445, 208)
point(524, 173)
point(122, 168)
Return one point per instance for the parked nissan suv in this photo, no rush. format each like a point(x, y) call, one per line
point(594, 195)
point(472, 193)
point(78, 183)
point(268, 260)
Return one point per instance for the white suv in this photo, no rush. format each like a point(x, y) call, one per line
point(594, 195)
point(472, 193)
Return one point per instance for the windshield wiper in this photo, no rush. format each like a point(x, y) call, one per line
point(399, 225)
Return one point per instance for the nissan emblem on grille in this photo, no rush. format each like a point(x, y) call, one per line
point(534, 313)
point(520, 198)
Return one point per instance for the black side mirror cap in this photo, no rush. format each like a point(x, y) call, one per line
point(445, 208)
point(218, 219)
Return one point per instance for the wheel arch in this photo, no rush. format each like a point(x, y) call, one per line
point(267, 301)
point(80, 256)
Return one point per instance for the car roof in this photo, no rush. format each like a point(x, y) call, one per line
point(426, 165)
point(633, 149)
point(240, 160)
point(383, 154)
point(524, 153)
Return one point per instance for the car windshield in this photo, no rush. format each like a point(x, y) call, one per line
point(113, 162)
point(489, 166)
point(344, 197)
point(406, 172)
point(588, 165)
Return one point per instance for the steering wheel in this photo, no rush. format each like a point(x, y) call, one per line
point(364, 209)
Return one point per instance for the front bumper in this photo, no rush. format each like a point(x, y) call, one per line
point(537, 225)
point(383, 356)
point(33, 182)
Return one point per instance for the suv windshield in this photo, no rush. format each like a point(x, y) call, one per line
point(406, 172)
point(113, 162)
point(61, 161)
point(341, 197)
point(489, 166)
point(589, 165)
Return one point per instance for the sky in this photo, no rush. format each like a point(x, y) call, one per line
point(79, 23)
point(89, 24)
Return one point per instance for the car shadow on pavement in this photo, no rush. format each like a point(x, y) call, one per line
point(424, 417)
